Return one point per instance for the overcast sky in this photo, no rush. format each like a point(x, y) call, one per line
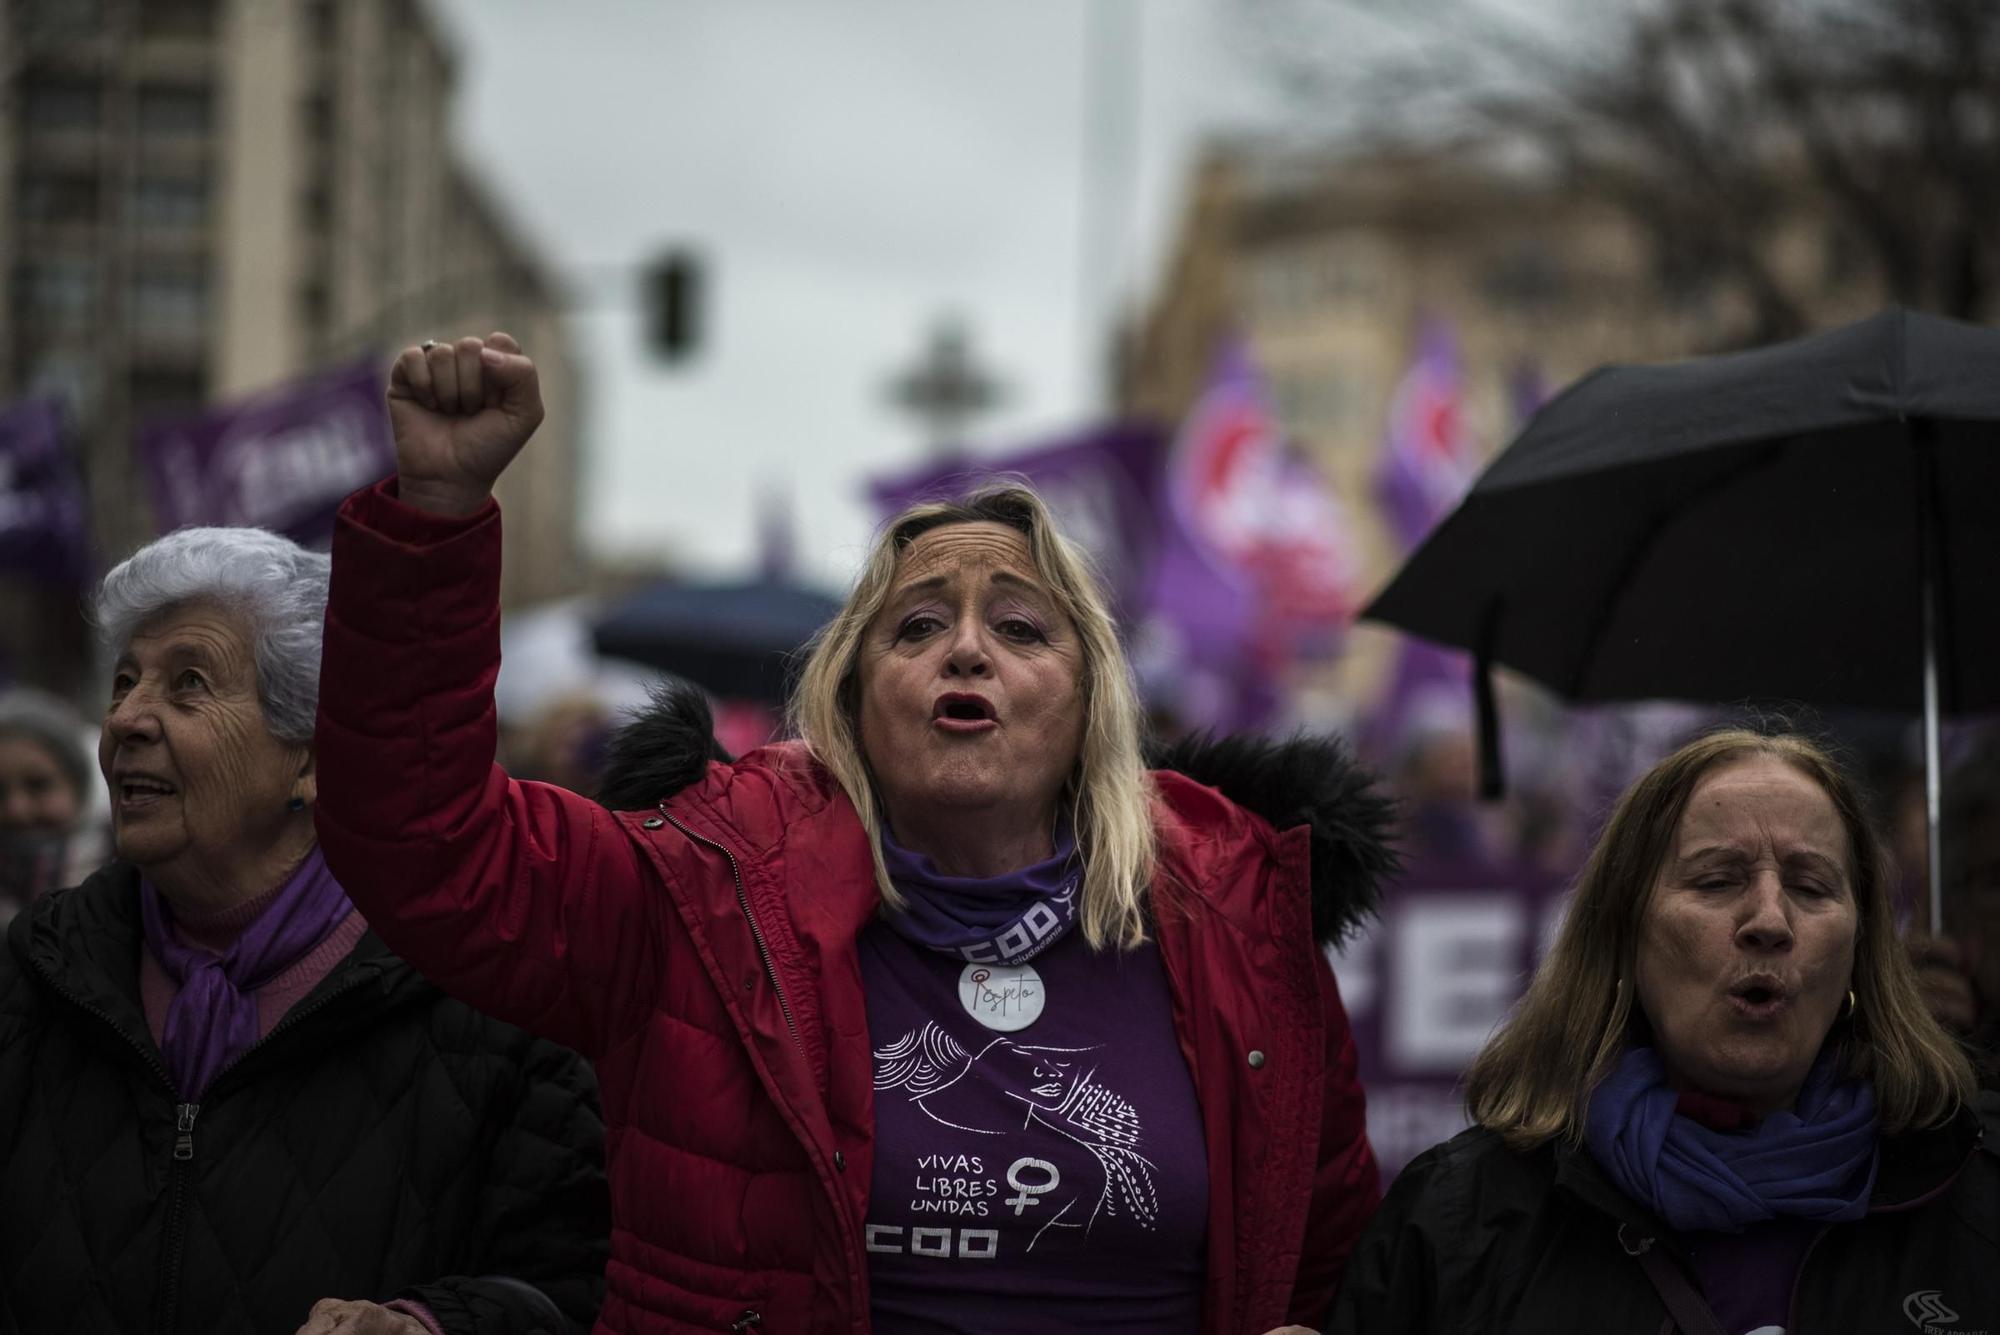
point(851, 171)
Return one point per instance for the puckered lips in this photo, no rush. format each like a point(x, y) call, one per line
point(1760, 996)
point(963, 712)
point(135, 791)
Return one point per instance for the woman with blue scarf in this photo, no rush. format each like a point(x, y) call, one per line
point(1722, 1107)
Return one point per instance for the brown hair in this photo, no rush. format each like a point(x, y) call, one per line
point(1109, 793)
point(1533, 1080)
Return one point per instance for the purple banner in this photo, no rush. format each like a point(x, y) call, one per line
point(282, 460)
point(1188, 621)
point(1101, 484)
point(44, 527)
point(1427, 983)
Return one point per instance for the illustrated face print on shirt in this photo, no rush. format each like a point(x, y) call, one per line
point(1036, 1130)
point(1046, 1096)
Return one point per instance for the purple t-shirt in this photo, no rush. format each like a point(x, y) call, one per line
point(1747, 1277)
point(1039, 1160)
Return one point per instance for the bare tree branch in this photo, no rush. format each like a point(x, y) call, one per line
point(1725, 129)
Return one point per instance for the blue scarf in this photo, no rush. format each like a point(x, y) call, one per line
point(1006, 919)
point(1815, 1163)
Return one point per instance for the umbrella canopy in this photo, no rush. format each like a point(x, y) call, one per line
point(1805, 521)
point(733, 640)
point(1743, 526)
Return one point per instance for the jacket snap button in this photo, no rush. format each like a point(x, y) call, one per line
point(654, 822)
point(840, 1161)
point(1256, 1059)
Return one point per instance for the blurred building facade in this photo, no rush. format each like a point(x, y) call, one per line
point(1331, 264)
point(204, 198)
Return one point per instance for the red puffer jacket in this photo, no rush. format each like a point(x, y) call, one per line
point(702, 953)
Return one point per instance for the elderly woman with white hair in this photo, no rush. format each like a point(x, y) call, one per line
point(225, 1106)
point(950, 1016)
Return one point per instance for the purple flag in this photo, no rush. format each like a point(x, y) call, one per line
point(1262, 512)
point(1429, 457)
point(1428, 460)
point(1186, 622)
point(44, 529)
point(282, 460)
point(1102, 484)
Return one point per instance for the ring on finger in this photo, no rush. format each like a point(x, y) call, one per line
point(430, 343)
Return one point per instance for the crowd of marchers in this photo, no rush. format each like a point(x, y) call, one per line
point(962, 1009)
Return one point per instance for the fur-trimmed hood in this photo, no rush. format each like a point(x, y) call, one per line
point(1304, 780)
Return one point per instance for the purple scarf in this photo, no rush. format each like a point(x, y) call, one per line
point(1815, 1163)
point(213, 1017)
point(986, 919)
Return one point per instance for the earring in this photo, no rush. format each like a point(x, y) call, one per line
point(1850, 1005)
point(296, 804)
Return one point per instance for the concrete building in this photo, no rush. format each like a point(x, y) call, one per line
point(1330, 265)
point(202, 198)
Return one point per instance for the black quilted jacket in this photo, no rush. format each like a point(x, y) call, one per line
point(383, 1141)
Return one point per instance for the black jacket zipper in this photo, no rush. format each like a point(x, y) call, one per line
point(174, 1244)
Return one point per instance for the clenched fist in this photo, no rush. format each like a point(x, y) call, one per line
point(460, 412)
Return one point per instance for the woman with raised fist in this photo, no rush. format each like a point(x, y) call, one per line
point(950, 1015)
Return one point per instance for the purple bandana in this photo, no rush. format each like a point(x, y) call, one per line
point(986, 919)
point(213, 1018)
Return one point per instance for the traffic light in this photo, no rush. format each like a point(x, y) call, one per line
point(673, 289)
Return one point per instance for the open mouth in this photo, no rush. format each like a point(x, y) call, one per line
point(963, 708)
point(1759, 994)
point(138, 790)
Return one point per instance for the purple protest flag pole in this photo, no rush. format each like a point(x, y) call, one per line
point(283, 459)
point(1429, 459)
point(1527, 391)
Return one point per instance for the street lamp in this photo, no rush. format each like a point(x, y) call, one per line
point(947, 388)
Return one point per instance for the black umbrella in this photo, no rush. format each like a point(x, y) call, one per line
point(735, 640)
point(1817, 520)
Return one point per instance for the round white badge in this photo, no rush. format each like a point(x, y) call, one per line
point(1005, 997)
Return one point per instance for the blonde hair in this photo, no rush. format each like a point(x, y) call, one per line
point(1533, 1080)
point(1109, 793)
